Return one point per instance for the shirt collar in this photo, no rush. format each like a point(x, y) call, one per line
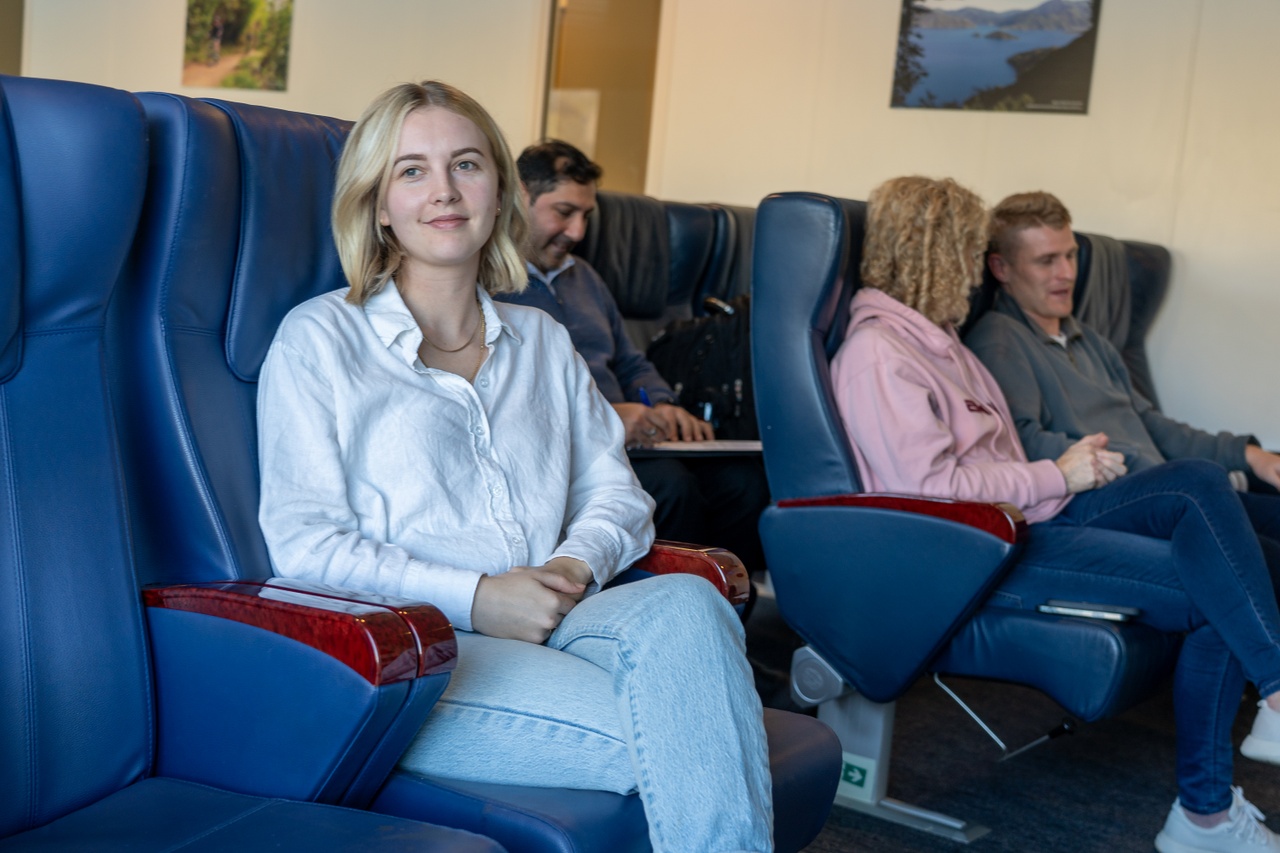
point(1005, 304)
point(548, 278)
point(396, 328)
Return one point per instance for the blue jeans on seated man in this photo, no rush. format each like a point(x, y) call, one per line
point(643, 686)
point(1175, 542)
point(1263, 510)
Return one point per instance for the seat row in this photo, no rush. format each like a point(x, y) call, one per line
point(156, 242)
point(903, 581)
point(913, 599)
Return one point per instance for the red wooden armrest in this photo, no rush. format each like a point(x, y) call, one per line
point(371, 638)
point(436, 642)
point(1004, 521)
point(717, 565)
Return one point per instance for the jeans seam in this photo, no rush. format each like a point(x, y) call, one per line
point(526, 715)
point(601, 631)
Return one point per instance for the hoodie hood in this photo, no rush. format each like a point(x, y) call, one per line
point(871, 305)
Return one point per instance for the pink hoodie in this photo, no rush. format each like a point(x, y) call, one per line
point(926, 418)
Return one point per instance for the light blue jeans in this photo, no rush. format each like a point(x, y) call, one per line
point(644, 686)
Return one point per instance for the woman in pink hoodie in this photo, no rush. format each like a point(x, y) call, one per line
point(925, 417)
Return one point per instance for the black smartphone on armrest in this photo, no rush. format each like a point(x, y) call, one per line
point(1089, 610)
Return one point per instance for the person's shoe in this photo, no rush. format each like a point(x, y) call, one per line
point(1263, 742)
point(1241, 832)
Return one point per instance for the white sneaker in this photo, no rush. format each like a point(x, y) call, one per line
point(1263, 742)
point(1241, 832)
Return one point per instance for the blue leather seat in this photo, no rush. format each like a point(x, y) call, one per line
point(102, 709)
point(884, 589)
point(236, 234)
point(728, 272)
point(654, 255)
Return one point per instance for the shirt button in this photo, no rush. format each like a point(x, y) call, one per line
point(478, 430)
point(516, 540)
point(484, 383)
point(496, 490)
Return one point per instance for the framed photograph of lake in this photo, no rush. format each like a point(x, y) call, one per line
point(1003, 55)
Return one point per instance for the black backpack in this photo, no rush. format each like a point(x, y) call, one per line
point(707, 362)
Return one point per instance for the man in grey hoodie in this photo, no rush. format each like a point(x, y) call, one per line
point(1063, 380)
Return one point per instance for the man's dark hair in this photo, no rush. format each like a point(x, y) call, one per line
point(545, 165)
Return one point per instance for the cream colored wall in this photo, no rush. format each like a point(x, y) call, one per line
point(1178, 148)
point(343, 53)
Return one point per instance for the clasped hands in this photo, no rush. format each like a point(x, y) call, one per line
point(529, 602)
point(1088, 464)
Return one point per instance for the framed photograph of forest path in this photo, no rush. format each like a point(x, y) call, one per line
point(238, 44)
point(1003, 55)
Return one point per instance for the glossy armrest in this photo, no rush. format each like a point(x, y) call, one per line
point(717, 565)
point(1002, 520)
point(384, 644)
point(436, 642)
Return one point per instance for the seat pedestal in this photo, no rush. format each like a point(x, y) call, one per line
point(865, 729)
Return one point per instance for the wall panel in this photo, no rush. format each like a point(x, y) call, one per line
point(773, 95)
point(343, 53)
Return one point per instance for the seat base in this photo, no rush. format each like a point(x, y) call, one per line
point(167, 814)
point(804, 758)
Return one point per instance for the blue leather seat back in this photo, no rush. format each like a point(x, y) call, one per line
point(728, 273)
point(807, 251)
point(692, 229)
point(653, 255)
point(238, 235)
point(628, 243)
point(75, 723)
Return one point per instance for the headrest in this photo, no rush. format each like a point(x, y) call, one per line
point(807, 251)
point(628, 243)
point(288, 163)
point(729, 273)
point(74, 178)
point(692, 229)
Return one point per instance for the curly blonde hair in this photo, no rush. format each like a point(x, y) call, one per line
point(1021, 211)
point(924, 245)
point(369, 252)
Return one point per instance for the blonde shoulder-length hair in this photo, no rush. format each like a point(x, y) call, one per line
point(924, 245)
point(369, 252)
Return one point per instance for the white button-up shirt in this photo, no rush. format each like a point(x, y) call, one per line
point(380, 474)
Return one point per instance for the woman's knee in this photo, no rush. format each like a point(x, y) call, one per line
point(691, 591)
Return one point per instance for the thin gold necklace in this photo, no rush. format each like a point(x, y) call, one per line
point(480, 357)
point(465, 343)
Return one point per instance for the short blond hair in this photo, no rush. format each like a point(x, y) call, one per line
point(369, 251)
point(1021, 211)
point(924, 245)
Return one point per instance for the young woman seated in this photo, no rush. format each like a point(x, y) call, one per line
point(419, 439)
point(925, 417)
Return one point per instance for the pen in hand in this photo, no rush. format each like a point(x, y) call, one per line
point(652, 431)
